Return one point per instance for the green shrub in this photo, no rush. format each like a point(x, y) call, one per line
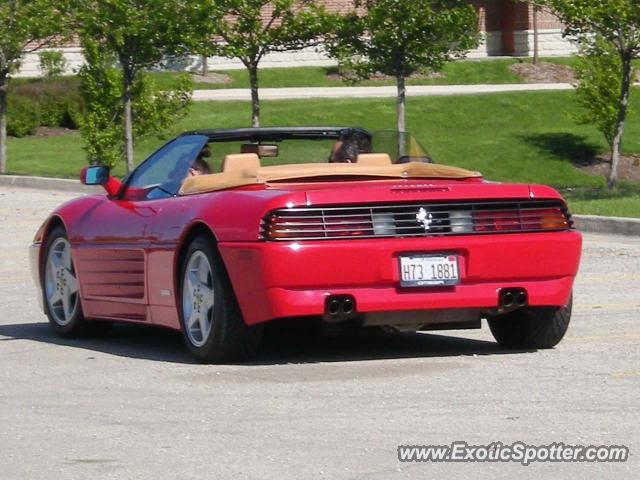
point(23, 116)
point(52, 63)
point(54, 102)
point(154, 111)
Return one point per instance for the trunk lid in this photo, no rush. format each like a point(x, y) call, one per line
point(399, 191)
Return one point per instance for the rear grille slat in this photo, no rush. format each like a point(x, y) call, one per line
point(415, 220)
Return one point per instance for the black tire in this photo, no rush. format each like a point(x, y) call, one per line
point(229, 338)
point(75, 324)
point(537, 328)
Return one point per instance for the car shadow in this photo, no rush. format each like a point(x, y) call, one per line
point(297, 347)
point(362, 345)
point(124, 340)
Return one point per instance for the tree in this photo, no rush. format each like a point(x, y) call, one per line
point(25, 26)
point(399, 38)
point(152, 111)
point(536, 33)
point(139, 33)
point(598, 90)
point(616, 23)
point(250, 29)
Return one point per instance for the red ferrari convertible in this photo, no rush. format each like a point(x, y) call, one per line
point(367, 231)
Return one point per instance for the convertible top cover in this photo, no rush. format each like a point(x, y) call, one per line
point(264, 175)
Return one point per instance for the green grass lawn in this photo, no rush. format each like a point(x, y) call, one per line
point(522, 137)
point(461, 72)
point(625, 206)
point(493, 71)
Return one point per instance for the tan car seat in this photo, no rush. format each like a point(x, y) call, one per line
point(377, 159)
point(240, 161)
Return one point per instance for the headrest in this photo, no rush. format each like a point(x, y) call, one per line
point(240, 161)
point(374, 159)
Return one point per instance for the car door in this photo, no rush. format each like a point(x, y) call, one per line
point(113, 254)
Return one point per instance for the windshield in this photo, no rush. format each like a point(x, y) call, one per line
point(402, 147)
point(163, 173)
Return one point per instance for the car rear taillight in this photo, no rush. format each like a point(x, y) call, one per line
point(524, 219)
point(282, 227)
point(415, 220)
point(349, 226)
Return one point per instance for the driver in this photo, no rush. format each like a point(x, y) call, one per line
point(200, 166)
point(348, 147)
point(344, 150)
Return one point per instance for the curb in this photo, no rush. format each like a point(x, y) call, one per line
point(584, 223)
point(611, 225)
point(46, 183)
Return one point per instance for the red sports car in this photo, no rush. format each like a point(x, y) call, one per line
point(367, 231)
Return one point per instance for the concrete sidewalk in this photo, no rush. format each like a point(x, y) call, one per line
point(370, 92)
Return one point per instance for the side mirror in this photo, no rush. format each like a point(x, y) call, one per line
point(99, 175)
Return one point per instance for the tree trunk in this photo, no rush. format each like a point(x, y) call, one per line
point(128, 119)
point(205, 65)
point(623, 105)
point(536, 35)
point(402, 92)
point(3, 124)
point(255, 99)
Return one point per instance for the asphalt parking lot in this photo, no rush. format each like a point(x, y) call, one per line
point(135, 405)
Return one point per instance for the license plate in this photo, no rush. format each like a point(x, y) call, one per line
point(429, 270)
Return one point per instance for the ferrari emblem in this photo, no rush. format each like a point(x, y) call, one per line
point(424, 218)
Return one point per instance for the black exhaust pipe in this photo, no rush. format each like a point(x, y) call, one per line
point(347, 306)
point(521, 299)
point(507, 300)
point(333, 307)
point(512, 298)
point(338, 308)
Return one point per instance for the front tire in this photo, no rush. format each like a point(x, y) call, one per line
point(538, 328)
point(211, 321)
point(60, 287)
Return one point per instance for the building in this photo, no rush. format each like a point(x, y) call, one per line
point(507, 27)
point(509, 30)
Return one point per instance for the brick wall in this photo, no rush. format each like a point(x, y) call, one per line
point(507, 27)
point(490, 14)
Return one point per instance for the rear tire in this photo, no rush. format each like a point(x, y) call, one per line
point(213, 327)
point(538, 328)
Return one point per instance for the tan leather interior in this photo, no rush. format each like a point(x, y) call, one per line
point(240, 161)
point(260, 149)
point(252, 175)
point(374, 159)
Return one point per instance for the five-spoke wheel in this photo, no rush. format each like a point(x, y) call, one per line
point(61, 294)
point(198, 298)
point(213, 326)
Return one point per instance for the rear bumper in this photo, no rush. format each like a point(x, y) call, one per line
point(275, 280)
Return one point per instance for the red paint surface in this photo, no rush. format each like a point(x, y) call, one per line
point(126, 252)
